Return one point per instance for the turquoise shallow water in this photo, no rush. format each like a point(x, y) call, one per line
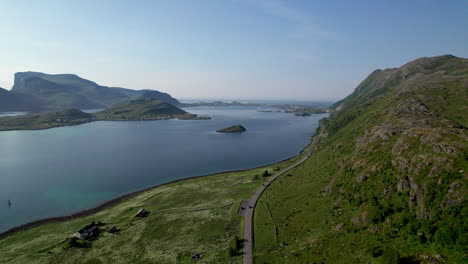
point(61, 171)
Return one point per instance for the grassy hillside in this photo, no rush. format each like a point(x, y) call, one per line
point(387, 183)
point(191, 216)
point(155, 95)
point(45, 120)
point(55, 95)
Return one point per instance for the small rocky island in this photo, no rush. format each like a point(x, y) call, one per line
point(232, 129)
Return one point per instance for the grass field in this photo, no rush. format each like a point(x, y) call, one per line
point(192, 216)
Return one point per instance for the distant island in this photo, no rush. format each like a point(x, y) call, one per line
point(300, 109)
point(232, 129)
point(219, 103)
point(137, 110)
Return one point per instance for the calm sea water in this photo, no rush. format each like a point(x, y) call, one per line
point(61, 171)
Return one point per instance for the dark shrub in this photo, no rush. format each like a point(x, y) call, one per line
point(390, 256)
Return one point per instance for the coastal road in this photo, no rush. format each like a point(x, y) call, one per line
point(249, 210)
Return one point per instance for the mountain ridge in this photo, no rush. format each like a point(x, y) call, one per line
point(64, 91)
point(387, 182)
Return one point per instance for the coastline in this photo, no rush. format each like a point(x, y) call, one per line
point(124, 197)
point(196, 118)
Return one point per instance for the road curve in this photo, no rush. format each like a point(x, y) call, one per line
point(249, 210)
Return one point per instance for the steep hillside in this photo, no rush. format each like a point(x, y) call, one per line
point(18, 102)
point(388, 180)
point(148, 94)
point(63, 91)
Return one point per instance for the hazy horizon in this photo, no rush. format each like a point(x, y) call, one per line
point(234, 50)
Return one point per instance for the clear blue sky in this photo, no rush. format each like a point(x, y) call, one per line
point(233, 49)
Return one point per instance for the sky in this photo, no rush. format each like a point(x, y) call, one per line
point(227, 49)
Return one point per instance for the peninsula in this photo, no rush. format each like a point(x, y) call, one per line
point(137, 110)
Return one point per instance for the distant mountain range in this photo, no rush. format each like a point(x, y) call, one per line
point(36, 91)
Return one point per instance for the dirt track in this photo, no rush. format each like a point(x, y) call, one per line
point(249, 210)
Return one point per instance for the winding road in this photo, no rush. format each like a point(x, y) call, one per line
point(249, 211)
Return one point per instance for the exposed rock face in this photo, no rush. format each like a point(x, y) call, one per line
point(455, 195)
point(403, 184)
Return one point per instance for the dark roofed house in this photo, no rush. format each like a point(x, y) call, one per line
point(196, 256)
point(88, 231)
point(141, 213)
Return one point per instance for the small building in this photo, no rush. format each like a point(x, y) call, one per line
point(141, 213)
point(88, 231)
point(196, 256)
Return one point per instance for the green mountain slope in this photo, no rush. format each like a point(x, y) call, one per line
point(63, 91)
point(149, 94)
point(19, 102)
point(388, 181)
